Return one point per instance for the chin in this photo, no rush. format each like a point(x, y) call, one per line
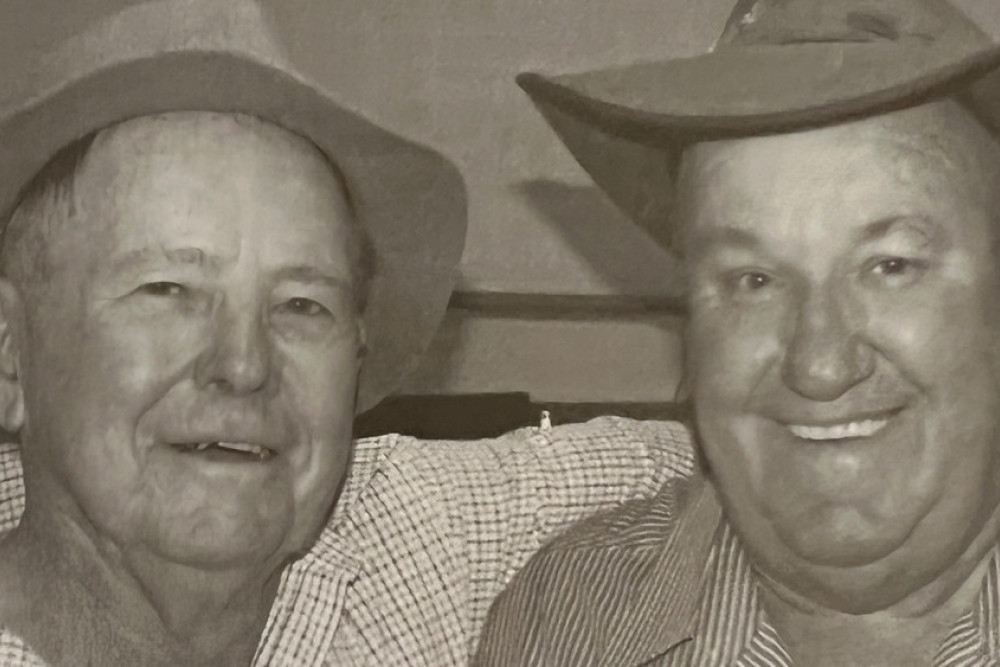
point(843, 536)
point(219, 542)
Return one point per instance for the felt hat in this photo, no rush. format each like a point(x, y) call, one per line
point(225, 56)
point(780, 66)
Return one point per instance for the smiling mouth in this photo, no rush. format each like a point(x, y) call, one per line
point(864, 428)
point(233, 451)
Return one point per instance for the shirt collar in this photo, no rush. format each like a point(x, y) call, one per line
point(334, 548)
point(663, 603)
point(313, 590)
point(731, 627)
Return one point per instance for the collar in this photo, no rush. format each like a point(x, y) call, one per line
point(334, 549)
point(662, 610)
point(294, 631)
point(732, 627)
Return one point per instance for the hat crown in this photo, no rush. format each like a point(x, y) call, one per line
point(149, 29)
point(778, 22)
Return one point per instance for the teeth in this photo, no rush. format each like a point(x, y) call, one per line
point(238, 446)
point(263, 453)
point(861, 429)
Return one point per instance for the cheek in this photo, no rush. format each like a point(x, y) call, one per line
point(318, 390)
point(944, 341)
point(319, 385)
point(730, 352)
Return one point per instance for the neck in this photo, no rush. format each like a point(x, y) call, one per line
point(69, 590)
point(907, 632)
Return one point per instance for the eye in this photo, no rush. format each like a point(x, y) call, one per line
point(892, 266)
point(752, 281)
point(743, 285)
point(161, 289)
point(895, 271)
point(303, 306)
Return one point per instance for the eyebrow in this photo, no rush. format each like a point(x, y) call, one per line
point(734, 237)
point(740, 238)
point(136, 259)
point(310, 275)
point(921, 226)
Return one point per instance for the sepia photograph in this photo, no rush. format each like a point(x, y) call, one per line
point(499, 333)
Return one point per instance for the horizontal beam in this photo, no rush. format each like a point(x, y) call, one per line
point(567, 306)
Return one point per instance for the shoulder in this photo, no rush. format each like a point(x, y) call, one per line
point(443, 525)
point(533, 480)
point(635, 529)
point(11, 486)
point(15, 653)
point(604, 448)
point(574, 584)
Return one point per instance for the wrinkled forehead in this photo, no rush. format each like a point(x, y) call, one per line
point(206, 157)
point(941, 140)
point(199, 136)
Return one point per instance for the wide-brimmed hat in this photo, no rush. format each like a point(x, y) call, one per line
point(224, 56)
point(779, 66)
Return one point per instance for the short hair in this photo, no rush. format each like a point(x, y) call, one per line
point(985, 149)
point(47, 202)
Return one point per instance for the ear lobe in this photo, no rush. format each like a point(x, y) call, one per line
point(11, 394)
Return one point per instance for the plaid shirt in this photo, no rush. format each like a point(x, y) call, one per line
point(664, 582)
point(426, 534)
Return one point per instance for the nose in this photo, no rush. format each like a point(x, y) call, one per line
point(238, 359)
point(826, 355)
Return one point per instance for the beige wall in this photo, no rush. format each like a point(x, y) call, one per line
point(595, 361)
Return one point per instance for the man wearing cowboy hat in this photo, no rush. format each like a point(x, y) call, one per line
point(190, 317)
point(830, 178)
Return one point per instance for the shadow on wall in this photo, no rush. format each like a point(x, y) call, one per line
point(619, 251)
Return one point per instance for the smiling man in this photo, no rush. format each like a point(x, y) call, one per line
point(208, 267)
point(837, 219)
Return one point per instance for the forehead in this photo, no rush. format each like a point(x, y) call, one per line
point(155, 152)
point(203, 179)
point(934, 156)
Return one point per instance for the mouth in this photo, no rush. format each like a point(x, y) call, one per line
point(226, 451)
point(852, 430)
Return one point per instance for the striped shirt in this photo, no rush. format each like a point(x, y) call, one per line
point(426, 534)
point(664, 582)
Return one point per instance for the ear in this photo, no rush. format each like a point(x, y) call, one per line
point(11, 394)
point(683, 392)
point(685, 385)
point(362, 339)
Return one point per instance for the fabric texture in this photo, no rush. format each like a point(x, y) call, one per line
point(426, 534)
point(664, 582)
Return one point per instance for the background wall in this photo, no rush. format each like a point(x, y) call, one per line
point(442, 71)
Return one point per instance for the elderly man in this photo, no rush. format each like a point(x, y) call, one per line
point(190, 317)
point(831, 177)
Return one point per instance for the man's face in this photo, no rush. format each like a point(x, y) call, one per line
point(189, 369)
point(843, 346)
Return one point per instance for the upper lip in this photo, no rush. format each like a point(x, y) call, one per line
point(827, 419)
point(266, 443)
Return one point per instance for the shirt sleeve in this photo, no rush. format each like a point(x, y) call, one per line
point(446, 525)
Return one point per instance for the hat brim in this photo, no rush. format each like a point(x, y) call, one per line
point(411, 199)
point(625, 126)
